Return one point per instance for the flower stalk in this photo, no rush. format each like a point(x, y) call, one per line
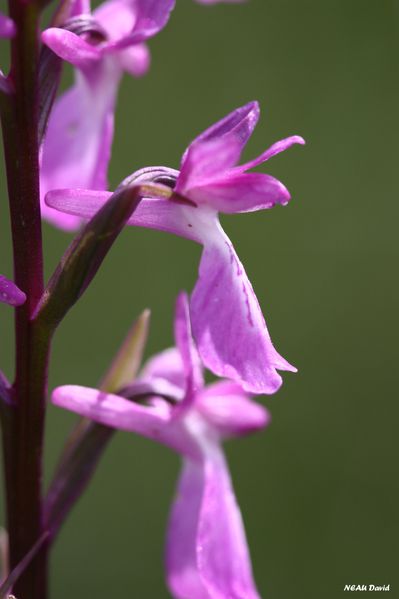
point(24, 424)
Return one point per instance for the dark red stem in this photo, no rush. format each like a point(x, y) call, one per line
point(23, 427)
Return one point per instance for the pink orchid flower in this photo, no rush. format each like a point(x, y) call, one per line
point(76, 150)
point(227, 322)
point(206, 551)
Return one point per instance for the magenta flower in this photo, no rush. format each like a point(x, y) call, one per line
point(228, 324)
point(10, 293)
point(77, 147)
point(206, 550)
point(7, 26)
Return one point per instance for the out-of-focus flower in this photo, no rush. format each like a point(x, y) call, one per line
point(228, 324)
point(77, 146)
point(10, 293)
point(7, 26)
point(206, 554)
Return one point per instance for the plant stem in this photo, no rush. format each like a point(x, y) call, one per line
point(23, 428)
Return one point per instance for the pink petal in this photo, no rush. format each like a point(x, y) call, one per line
point(7, 27)
point(167, 365)
point(71, 47)
point(135, 60)
point(79, 7)
point(81, 118)
point(228, 324)
point(181, 546)
point(82, 203)
point(276, 148)
point(230, 411)
point(229, 136)
point(117, 18)
point(238, 125)
point(10, 294)
point(192, 366)
point(206, 553)
point(240, 192)
point(162, 215)
point(152, 421)
point(151, 16)
point(168, 216)
point(206, 160)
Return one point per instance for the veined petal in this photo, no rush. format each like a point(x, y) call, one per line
point(230, 411)
point(238, 124)
point(10, 293)
point(83, 117)
point(71, 47)
point(181, 545)
point(152, 421)
point(206, 553)
point(240, 192)
point(7, 26)
point(276, 148)
point(154, 13)
point(227, 322)
point(229, 135)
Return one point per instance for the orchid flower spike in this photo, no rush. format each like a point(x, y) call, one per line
point(7, 26)
point(77, 146)
point(206, 551)
point(10, 294)
point(227, 322)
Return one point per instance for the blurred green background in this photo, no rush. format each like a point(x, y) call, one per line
point(319, 488)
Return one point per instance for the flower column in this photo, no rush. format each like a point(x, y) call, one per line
point(24, 420)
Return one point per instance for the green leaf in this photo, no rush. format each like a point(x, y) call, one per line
point(127, 361)
point(85, 255)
